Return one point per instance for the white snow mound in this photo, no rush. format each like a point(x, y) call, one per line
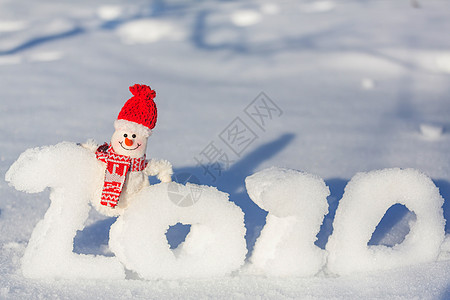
point(146, 31)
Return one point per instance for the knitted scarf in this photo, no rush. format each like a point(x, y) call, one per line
point(117, 167)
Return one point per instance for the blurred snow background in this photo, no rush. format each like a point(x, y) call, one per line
point(361, 85)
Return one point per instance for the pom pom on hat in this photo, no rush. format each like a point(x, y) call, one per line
point(140, 108)
point(142, 91)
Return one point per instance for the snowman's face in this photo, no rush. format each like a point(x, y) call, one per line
point(129, 143)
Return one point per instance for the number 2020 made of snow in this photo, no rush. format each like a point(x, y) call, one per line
point(215, 246)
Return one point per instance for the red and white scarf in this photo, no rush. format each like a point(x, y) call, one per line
point(117, 167)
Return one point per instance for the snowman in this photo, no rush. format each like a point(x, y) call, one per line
point(123, 161)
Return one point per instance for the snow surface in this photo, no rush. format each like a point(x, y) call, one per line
point(356, 82)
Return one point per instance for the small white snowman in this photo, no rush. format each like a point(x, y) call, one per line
point(124, 160)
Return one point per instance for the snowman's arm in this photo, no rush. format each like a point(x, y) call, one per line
point(90, 145)
point(160, 168)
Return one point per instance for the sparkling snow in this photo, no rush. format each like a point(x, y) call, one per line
point(362, 86)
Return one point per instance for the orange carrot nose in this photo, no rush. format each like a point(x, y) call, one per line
point(128, 142)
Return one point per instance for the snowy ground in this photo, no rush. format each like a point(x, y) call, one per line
point(359, 85)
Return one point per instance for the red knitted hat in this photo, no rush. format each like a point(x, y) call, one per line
point(140, 108)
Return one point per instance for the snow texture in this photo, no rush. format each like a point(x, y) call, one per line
point(215, 245)
point(148, 31)
point(430, 131)
point(297, 204)
point(72, 174)
point(363, 85)
point(366, 199)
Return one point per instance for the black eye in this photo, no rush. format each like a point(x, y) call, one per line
point(125, 135)
point(134, 136)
